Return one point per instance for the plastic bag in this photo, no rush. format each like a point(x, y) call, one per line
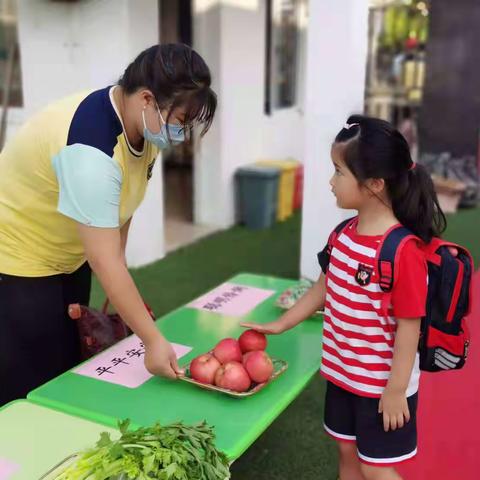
point(98, 330)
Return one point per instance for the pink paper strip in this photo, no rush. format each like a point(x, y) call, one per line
point(232, 300)
point(122, 364)
point(7, 469)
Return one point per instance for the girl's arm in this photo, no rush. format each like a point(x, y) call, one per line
point(312, 301)
point(393, 403)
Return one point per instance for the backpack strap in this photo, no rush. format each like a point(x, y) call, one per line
point(433, 254)
point(324, 255)
point(388, 255)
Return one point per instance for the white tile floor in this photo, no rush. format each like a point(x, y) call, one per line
point(180, 233)
point(179, 229)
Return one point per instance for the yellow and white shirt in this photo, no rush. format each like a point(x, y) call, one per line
point(70, 163)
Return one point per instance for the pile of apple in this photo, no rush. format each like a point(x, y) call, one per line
point(235, 364)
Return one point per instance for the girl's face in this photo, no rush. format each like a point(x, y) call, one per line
point(345, 187)
point(350, 194)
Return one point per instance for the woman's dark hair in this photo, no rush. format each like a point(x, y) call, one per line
point(375, 149)
point(178, 77)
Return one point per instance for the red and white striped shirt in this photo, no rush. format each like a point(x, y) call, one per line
point(358, 340)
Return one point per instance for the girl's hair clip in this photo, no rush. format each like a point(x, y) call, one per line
point(412, 166)
point(348, 126)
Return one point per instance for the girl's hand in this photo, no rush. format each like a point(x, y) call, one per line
point(394, 406)
point(272, 328)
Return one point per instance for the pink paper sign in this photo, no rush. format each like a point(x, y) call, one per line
point(7, 469)
point(122, 364)
point(232, 300)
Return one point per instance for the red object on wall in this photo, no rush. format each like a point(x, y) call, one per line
point(298, 193)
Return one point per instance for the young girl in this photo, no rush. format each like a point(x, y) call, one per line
point(370, 360)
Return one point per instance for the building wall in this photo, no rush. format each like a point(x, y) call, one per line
point(69, 47)
point(231, 37)
point(336, 63)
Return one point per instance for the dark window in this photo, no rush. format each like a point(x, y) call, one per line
point(10, 73)
point(282, 42)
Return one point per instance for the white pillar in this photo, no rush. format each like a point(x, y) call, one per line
point(66, 48)
point(208, 186)
point(229, 35)
point(146, 242)
point(336, 64)
point(146, 239)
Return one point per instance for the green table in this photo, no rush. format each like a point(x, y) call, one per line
point(35, 439)
point(238, 422)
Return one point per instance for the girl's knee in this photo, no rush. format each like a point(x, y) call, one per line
point(347, 449)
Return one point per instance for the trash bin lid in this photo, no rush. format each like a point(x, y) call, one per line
point(258, 171)
point(286, 165)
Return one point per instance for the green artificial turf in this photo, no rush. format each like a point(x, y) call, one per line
point(294, 447)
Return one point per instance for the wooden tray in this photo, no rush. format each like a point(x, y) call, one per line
point(279, 366)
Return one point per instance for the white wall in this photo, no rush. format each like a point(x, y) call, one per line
point(56, 41)
point(207, 184)
point(146, 238)
point(230, 35)
point(336, 63)
point(68, 47)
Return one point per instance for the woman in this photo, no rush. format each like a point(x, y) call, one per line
point(70, 181)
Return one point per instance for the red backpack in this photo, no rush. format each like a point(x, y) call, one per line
point(444, 336)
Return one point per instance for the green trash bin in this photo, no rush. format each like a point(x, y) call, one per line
point(257, 194)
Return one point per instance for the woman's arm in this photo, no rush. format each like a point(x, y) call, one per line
point(124, 237)
point(103, 249)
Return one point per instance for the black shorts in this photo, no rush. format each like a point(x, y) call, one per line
point(351, 418)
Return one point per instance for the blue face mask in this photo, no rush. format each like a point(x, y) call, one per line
point(161, 139)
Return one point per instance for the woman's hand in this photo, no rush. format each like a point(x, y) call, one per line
point(160, 359)
point(272, 328)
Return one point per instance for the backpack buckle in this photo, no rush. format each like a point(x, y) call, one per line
point(386, 275)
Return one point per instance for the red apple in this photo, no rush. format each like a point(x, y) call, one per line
point(251, 340)
point(228, 350)
point(245, 357)
point(204, 367)
point(233, 376)
point(259, 366)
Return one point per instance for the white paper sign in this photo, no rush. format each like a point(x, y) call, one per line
point(231, 299)
point(123, 364)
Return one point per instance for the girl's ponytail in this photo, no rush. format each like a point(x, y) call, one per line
point(415, 203)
